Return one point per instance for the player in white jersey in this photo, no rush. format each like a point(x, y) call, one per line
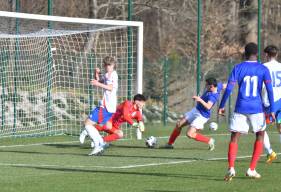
point(274, 68)
point(101, 114)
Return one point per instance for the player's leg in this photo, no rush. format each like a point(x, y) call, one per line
point(176, 132)
point(115, 134)
point(92, 119)
point(95, 137)
point(238, 125)
point(188, 117)
point(193, 131)
point(271, 155)
point(258, 125)
point(232, 153)
point(278, 123)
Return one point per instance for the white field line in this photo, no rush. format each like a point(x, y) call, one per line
point(108, 167)
point(116, 167)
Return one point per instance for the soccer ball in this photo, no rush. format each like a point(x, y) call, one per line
point(151, 142)
point(213, 126)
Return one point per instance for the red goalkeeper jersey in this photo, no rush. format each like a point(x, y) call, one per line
point(125, 113)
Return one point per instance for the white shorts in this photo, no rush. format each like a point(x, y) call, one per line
point(195, 119)
point(240, 122)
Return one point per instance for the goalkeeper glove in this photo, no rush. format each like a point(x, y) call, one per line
point(135, 125)
point(139, 126)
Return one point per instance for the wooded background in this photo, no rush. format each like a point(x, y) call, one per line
point(170, 32)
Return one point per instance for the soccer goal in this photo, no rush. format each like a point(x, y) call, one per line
point(46, 63)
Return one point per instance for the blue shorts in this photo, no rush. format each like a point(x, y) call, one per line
point(100, 115)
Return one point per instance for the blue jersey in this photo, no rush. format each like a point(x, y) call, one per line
point(209, 96)
point(250, 76)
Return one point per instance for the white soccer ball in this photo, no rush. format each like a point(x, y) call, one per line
point(213, 126)
point(151, 142)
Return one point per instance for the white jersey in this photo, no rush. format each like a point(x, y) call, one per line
point(274, 68)
point(110, 97)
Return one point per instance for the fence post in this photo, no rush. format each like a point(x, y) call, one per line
point(229, 68)
point(165, 90)
point(4, 61)
point(90, 88)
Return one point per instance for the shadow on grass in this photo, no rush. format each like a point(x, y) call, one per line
point(105, 155)
point(41, 153)
point(60, 145)
point(133, 173)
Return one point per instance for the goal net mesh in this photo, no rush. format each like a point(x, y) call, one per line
point(45, 73)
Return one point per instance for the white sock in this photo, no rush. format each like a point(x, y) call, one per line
point(266, 143)
point(139, 134)
point(84, 132)
point(94, 134)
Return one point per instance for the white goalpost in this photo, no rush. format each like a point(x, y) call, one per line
point(45, 71)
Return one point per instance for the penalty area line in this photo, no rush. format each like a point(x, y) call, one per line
point(87, 167)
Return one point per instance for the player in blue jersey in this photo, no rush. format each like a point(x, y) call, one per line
point(199, 115)
point(274, 68)
point(250, 76)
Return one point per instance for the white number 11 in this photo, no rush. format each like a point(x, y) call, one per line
point(251, 81)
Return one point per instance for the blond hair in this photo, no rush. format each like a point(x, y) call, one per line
point(108, 60)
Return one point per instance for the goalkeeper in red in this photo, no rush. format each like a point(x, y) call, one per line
point(128, 111)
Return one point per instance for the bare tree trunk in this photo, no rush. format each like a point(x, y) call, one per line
point(159, 29)
point(249, 19)
point(266, 12)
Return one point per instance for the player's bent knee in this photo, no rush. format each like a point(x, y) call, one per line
point(119, 133)
point(189, 135)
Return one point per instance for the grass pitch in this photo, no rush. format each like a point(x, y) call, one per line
point(60, 163)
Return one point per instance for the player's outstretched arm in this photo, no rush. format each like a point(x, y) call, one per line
point(208, 105)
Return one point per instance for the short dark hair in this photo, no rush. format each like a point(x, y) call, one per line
point(212, 81)
point(251, 49)
point(139, 97)
point(271, 50)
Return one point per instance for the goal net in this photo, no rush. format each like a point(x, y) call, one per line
point(46, 63)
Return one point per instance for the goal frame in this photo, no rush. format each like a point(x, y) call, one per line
point(121, 23)
point(137, 24)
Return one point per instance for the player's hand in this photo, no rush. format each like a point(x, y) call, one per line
point(221, 111)
point(196, 98)
point(95, 82)
point(273, 117)
point(135, 125)
point(97, 70)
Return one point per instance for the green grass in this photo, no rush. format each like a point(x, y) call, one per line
point(60, 163)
